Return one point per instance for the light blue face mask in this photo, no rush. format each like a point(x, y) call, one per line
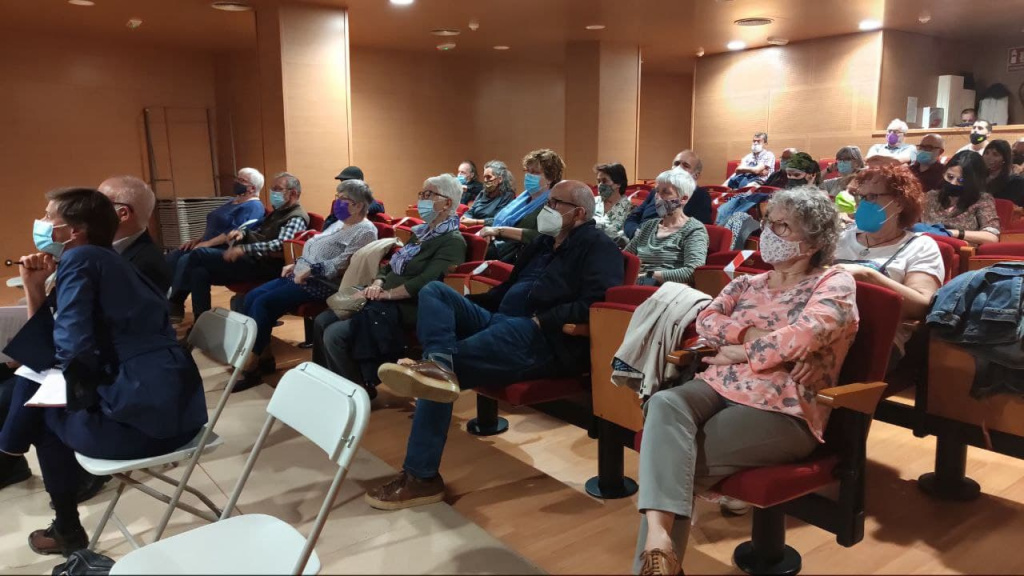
point(531, 182)
point(845, 167)
point(925, 158)
point(782, 165)
point(870, 217)
point(42, 235)
point(426, 210)
point(276, 199)
point(462, 179)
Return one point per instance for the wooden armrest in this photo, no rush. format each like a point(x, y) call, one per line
point(966, 253)
point(861, 397)
point(577, 330)
point(688, 356)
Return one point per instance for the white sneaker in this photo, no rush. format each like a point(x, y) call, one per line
point(733, 507)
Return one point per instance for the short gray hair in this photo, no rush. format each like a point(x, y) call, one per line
point(254, 176)
point(290, 181)
point(447, 186)
point(583, 197)
point(357, 191)
point(133, 192)
point(854, 153)
point(501, 171)
point(679, 179)
point(815, 213)
point(899, 125)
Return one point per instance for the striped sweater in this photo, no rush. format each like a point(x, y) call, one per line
point(677, 255)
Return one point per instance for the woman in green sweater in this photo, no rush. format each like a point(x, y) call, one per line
point(435, 246)
point(672, 246)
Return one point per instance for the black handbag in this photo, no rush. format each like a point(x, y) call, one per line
point(84, 563)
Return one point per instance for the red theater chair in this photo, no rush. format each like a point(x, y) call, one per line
point(720, 189)
point(962, 251)
point(719, 239)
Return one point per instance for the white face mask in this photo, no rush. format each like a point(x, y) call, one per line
point(549, 221)
point(775, 249)
point(756, 148)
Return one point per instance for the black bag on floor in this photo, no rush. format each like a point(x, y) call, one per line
point(84, 563)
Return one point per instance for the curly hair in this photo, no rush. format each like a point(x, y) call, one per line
point(549, 162)
point(501, 172)
point(901, 183)
point(816, 215)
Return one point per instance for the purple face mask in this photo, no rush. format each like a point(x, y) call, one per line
point(340, 210)
point(893, 138)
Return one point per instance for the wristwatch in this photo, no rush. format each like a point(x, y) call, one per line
point(960, 234)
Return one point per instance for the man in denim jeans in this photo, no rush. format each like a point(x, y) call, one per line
point(513, 333)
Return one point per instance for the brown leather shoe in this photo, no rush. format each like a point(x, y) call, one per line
point(405, 491)
point(660, 562)
point(425, 380)
point(49, 541)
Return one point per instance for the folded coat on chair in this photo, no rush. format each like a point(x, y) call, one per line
point(365, 263)
point(656, 329)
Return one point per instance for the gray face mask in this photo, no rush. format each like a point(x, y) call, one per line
point(605, 190)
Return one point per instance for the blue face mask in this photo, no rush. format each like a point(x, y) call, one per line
point(42, 235)
point(870, 217)
point(845, 167)
point(426, 210)
point(276, 199)
point(531, 182)
point(925, 157)
point(462, 179)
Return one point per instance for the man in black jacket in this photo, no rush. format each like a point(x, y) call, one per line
point(134, 200)
point(698, 206)
point(512, 333)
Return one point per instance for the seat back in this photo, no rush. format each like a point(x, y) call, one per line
point(384, 230)
point(330, 411)
point(719, 239)
point(957, 246)
point(631, 268)
point(316, 222)
point(462, 209)
point(950, 260)
point(1004, 209)
point(225, 336)
point(476, 247)
point(1001, 249)
point(880, 314)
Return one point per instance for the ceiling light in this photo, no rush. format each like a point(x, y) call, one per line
point(753, 21)
point(736, 45)
point(81, 2)
point(402, 2)
point(231, 6)
point(924, 17)
point(446, 46)
point(777, 41)
point(474, 25)
point(595, 27)
point(870, 24)
point(445, 32)
point(134, 23)
point(700, 52)
point(501, 47)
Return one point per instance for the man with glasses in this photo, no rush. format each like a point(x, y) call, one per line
point(929, 167)
point(134, 200)
point(510, 334)
point(698, 207)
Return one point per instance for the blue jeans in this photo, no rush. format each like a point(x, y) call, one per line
point(271, 301)
point(206, 267)
point(330, 346)
point(483, 348)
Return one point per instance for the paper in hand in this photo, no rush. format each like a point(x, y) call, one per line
point(53, 391)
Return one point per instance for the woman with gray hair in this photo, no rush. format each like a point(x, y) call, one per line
point(314, 276)
point(848, 162)
point(673, 245)
point(779, 337)
point(435, 246)
point(499, 190)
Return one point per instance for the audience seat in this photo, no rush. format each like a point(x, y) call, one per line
point(462, 209)
point(990, 254)
point(316, 222)
point(962, 251)
point(380, 217)
point(719, 189)
point(719, 239)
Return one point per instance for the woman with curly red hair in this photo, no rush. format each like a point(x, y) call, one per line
point(882, 250)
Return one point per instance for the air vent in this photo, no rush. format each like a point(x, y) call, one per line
point(445, 32)
point(753, 21)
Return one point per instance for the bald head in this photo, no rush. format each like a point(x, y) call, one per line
point(133, 199)
point(689, 161)
point(576, 193)
point(788, 153)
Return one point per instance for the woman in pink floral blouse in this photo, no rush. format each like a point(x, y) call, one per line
point(780, 337)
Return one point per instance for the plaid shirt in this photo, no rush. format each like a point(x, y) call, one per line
point(293, 227)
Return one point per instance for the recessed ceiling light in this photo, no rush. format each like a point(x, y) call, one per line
point(445, 32)
point(501, 47)
point(777, 41)
point(81, 2)
point(753, 21)
point(924, 17)
point(700, 52)
point(736, 45)
point(596, 27)
point(446, 46)
point(231, 6)
point(402, 2)
point(869, 24)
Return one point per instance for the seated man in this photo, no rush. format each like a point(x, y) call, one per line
point(929, 168)
point(755, 167)
point(698, 207)
point(894, 146)
point(252, 255)
point(134, 200)
point(512, 333)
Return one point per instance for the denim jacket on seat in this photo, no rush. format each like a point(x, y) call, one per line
point(981, 307)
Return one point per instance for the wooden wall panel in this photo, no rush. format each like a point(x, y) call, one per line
point(619, 100)
point(239, 116)
point(582, 109)
point(666, 108)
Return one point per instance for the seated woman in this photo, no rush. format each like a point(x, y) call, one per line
point(848, 163)
point(435, 246)
point(499, 189)
point(671, 247)
point(515, 225)
point(802, 170)
point(133, 391)
point(614, 205)
point(881, 249)
point(314, 276)
point(1002, 183)
point(755, 403)
point(962, 206)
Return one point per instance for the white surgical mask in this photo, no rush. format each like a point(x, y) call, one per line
point(756, 148)
point(775, 249)
point(549, 221)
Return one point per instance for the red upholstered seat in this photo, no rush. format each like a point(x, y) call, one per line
point(1004, 209)
point(719, 239)
point(316, 222)
point(1001, 249)
point(382, 217)
point(772, 485)
point(476, 247)
point(538, 391)
point(718, 189)
point(384, 230)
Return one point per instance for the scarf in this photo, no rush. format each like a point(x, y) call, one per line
point(423, 234)
point(511, 214)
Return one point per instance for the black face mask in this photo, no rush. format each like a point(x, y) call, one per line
point(1018, 158)
point(952, 189)
point(978, 138)
point(795, 182)
point(239, 189)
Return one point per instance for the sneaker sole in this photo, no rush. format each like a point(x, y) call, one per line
point(387, 505)
point(405, 382)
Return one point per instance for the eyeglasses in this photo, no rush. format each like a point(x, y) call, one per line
point(427, 195)
point(554, 202)
point(778, 226)
point(873, 198)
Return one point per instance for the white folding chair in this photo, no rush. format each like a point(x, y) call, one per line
point(327, 409)
point(226, 337)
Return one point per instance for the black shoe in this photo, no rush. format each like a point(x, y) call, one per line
point(88, 487)
point(49, 541)
point(249, 379)
point(371, 390)
point(177, 310)
point(267, 364)
point(15, 470)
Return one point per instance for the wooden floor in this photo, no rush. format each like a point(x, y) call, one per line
point(525, 487)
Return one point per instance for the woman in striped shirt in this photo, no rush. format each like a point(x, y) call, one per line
point(672, 246)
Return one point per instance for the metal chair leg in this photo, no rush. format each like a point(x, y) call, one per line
point(121, 483)
point(611, 482)
point(766, 551)
point(307, 328)
point(487, 421)
point(949, 481)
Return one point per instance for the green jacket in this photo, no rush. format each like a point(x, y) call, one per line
point(434, 259)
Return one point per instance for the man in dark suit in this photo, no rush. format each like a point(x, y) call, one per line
point(134, 200)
